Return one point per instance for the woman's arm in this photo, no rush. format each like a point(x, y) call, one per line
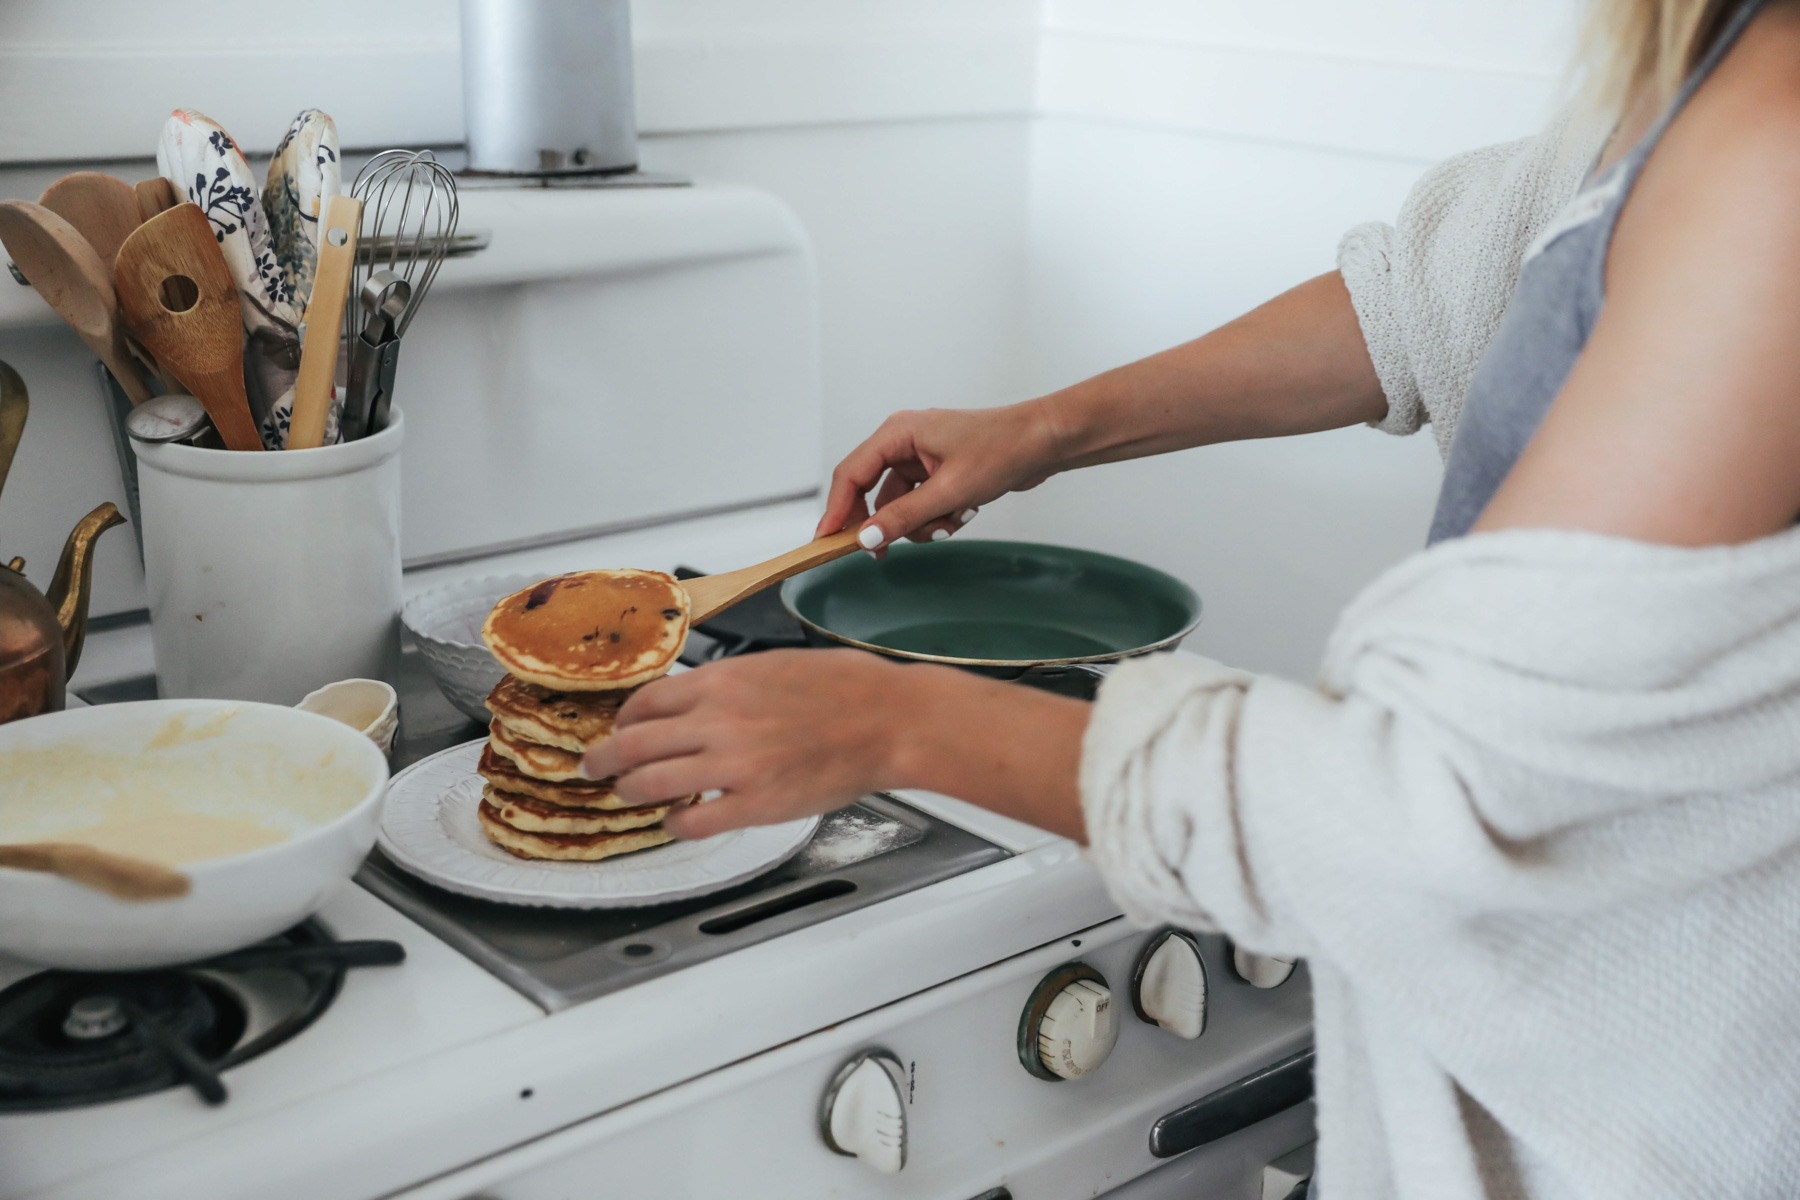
point(1297, 364)
point(1680, 423)
point(788, 733)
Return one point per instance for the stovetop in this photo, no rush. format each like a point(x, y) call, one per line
point(74, 1038)
point(867, 852)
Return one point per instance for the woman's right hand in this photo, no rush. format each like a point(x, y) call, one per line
point(942, 464)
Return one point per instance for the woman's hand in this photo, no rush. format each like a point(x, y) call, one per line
point(790, 733)
point(783, 734)
point(942, 464)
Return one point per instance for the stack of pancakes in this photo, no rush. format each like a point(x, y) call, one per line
point(576, 647)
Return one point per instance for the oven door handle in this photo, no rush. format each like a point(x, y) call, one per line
point(1272, 1090)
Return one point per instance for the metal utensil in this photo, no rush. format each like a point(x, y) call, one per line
point(374, 354)
point(69, 274)
point(168, 419)
point(409, 219)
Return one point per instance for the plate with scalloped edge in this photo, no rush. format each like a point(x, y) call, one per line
point(429, 829)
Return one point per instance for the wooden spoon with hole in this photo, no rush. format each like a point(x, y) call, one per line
point(115, 874)
point(202, 344)
point(709, 595)
point(68, 273)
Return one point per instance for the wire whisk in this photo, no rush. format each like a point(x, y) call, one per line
point(409, 217)
point(409, 214)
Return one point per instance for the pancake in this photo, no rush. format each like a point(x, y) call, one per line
point(504, 774)
point(548, 763)
point(530, 815)
point(567, 720)
point(566, 847)
point(590, 631)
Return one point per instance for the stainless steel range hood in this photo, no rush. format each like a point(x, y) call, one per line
point(547, 87)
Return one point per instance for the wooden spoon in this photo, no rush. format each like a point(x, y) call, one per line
point(324, 323)
point(70, 276)
point(15, 404)
point(154, 195)
point(710, 595)
point(101, 207)
point(114, 874)
point(203, 344)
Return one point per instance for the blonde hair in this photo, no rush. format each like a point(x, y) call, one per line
point(1632, 45)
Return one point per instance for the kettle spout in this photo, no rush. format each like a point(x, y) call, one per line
point(73, 584)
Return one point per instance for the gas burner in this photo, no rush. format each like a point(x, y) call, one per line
point(74, 1038)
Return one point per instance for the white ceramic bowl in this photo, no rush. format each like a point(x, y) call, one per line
point(235, 900)
point(368, 706)
point(446, 624)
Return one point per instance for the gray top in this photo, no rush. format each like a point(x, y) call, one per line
point(1561, 288)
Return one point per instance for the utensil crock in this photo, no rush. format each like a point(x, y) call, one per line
point(273, 574)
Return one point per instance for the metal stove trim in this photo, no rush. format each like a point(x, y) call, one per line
point(943, 851)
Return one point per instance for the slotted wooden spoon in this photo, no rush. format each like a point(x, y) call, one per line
point(709, 595)
point(115, 874)
point(70, 276)
point(202, 345)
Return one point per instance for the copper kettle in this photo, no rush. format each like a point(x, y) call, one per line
point(41, 637)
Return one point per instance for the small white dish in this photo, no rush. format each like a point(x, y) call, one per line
point(445, 623)
point(429, 828)
point(367, 705)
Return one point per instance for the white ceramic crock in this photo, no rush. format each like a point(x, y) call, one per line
point(234, 901)
point(272, 574)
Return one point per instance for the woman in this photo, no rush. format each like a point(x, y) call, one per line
point(1538, 828)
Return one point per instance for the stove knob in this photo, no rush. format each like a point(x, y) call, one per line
point(1260, 970)
point(864, 1112)
point(1069, 1027)
point(1169, 987)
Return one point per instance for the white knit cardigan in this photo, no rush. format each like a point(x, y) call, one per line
point(1429, 290)
point(1536, 830)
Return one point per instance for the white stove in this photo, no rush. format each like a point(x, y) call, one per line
point(855, 1024)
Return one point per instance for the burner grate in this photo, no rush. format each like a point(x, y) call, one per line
point(74, 1038)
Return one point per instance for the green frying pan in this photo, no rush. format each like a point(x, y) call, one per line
point(1045, 615)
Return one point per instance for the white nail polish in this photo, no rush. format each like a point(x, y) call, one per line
point(870, 537)
point(939, 534)
point(966, 515)
point(872, 554)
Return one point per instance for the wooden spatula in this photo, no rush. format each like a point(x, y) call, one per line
point(101, 207)
point(115, 874)
point(70, 276)
point(324, 323)
point(710, 595)
point(203, 344)
point(154, 195)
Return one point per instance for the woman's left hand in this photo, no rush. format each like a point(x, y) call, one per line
point(783, 734)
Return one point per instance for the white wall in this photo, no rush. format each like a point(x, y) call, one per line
point(1005, 195)
point(897, 129)
point(1195, 158)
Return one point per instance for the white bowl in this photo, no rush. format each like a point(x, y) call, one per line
point(446, 624)
point(235, 900)
point(369, 706)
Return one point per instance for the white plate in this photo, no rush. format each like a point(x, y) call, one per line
point(429, 828)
